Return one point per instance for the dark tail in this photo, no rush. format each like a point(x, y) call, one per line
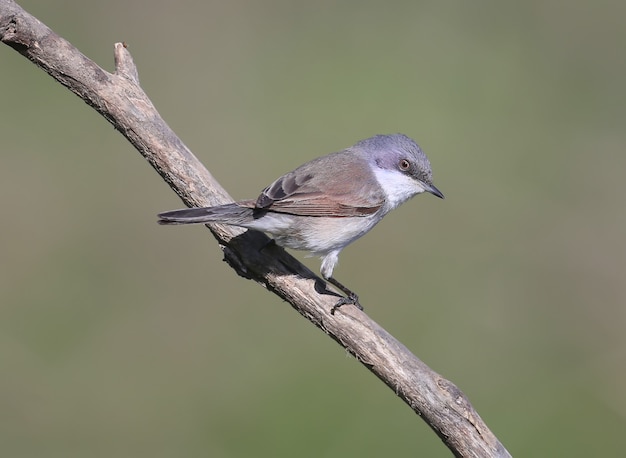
point(233, 214)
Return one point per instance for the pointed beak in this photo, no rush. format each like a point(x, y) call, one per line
point(434, 191)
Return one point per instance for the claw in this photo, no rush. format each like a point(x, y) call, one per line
point(350, 299)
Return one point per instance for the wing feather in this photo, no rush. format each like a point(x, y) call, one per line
point(337, 185)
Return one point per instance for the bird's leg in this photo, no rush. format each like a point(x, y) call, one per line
point(350, 298)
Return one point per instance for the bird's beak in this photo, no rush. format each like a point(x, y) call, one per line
point(434, 191)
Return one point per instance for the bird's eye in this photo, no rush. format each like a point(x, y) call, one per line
point(404, 165)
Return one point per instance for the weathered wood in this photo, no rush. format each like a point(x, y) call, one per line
point(120, 99)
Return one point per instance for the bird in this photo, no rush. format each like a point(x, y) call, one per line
point(329, 202)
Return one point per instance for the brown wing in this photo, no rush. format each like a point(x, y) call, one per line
point(339, 184)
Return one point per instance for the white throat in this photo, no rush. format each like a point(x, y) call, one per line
point(398, 187)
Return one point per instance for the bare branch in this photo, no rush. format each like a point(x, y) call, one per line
point(120, 99)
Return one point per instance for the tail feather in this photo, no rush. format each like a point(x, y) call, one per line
point(233, 214)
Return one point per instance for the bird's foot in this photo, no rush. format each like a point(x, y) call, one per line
point(350, 299)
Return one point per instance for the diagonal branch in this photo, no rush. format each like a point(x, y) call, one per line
point(119, 98)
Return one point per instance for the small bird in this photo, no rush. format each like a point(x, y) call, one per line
point(329, 202)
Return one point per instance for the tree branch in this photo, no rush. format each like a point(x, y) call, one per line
point(119, 98)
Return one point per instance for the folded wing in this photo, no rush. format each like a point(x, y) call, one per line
point(336, 185)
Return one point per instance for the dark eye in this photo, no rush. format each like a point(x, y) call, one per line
point(404, 165)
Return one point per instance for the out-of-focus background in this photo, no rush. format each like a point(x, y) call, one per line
point(122, 338)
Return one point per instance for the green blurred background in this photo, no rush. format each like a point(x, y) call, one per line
point(122, 338)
